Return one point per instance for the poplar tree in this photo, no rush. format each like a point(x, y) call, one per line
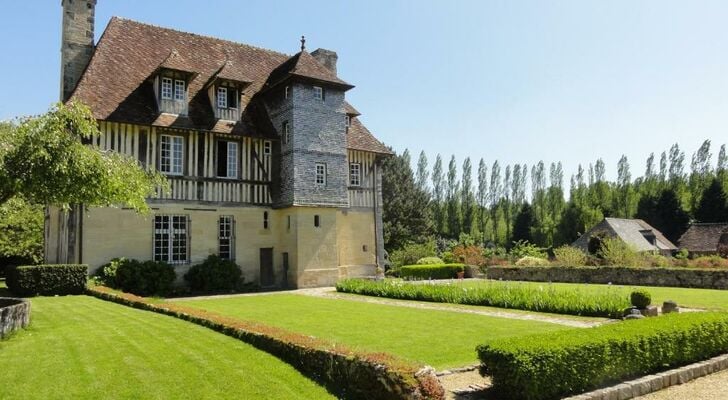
point(453, 199)
point(482, 197)
point(468, 200)
point(422, 173)
point(494, 195)
point(438, 195)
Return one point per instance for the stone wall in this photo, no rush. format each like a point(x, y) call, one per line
point(676, 277)
point(14, 314)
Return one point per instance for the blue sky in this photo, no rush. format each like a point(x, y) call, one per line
point(517, 81)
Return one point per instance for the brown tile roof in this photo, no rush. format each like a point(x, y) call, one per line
point(117, 85)
point(358, 137)
point(350, 110)
point(704, 237)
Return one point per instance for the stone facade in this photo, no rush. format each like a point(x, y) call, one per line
point(77, 42)
point(674, 277)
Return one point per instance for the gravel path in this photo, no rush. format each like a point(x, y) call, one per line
point(330, 292)
point(709, 387)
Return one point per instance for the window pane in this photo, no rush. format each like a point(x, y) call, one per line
point(225, 237)
point(355, 174)
point(222, 97)
point(179, 90)
point(166, 88)
point(232, 160)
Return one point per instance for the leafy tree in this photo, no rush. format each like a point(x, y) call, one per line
point(523, 224)
point(45, 161)
point(494, 195)
point(506, 200)
point(713, 206)
point(453, 199)
point(700, 174)
point(624, 186)
point(665, 213)
point(422, 173)
point(663, 167)
point(482, 197)
point(438, 195)
point(468, 200)
point(406, 207)
point(21, 232)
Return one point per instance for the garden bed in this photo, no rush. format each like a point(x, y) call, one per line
point(608, 302)
point(674, 277)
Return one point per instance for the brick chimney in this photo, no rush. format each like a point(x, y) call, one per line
point(326, 57)
point(77, 42)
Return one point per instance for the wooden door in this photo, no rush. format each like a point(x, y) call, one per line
point(267, 278)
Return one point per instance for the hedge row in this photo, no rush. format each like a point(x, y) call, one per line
point(49, 279)
point(549, 366)
point(431, 271)
point(609, 302)
point(347, 373)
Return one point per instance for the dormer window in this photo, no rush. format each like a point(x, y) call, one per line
point(318, 93)
point(222, 97)
point(179, 90)
point(167, 88)
point(225, 99)
point(172, 92)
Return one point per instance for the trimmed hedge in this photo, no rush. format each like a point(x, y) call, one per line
point(431, 271)
point(610, 302)
point(550, 366)
point(214, 275)
point(47, 280)
point(349, 374)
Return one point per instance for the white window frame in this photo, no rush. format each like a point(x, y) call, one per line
point(222, 97)
point(320, 174)
point(318, 93)
point(354, 174)
point(171, 154)
point(226, 237)
point(166, 90)
point(180, 90)
point(287, 92)
point(348, 121)
point(232, 160)
point(171, 239)
point(286, 132)
point(267, 148)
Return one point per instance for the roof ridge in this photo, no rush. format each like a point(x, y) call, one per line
point(123, 19)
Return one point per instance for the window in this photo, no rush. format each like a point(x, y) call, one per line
point(354, 174)
point(179, 90)
point(227, 159)
point(267, 146)
point(287, 92)
point(348, 121)
point(364, 248)
point(265, 219)
point(288, 226)
point(286, 132)
point(225, 234)
point(318, 93)
point(166, 90)
point(321, 174)
point(316, 221)
point(170, 238)
point(222, 97)
point(170, 154)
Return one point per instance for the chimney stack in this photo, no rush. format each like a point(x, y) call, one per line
point(327, 58)
point(77, 42)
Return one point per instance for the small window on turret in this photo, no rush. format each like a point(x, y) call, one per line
point(348, 121)
point(318, 93)
point(286, 132)
point(287, 92)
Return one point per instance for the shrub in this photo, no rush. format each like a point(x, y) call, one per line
point(555, 365)
point(567, 256)
point(469, 255)
point(723, 249)
point(640, 298)
point(708, 262)
point(522, 249)
point(148, 278)
point(682, 254)
point(529, 261)
point(410, 253)
point(46, 280)
point(448, 257)
point(214, 275)
point(655, 261)
point(616, 252)
point(435, 271)
point(609, 302)
point(106, 274)
point(429, 261)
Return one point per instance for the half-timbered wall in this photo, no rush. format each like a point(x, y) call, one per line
point(362, 195)
point(199, 180)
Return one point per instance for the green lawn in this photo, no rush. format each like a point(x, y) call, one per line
point(79, 347)
point(708, 299)
point(442, 339)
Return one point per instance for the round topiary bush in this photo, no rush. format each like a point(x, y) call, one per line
point(429, 261)
point(214, 275)
point(641, 298)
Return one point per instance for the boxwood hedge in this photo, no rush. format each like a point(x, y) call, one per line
point(549, 366)
point(431, 271)
point(49, 279)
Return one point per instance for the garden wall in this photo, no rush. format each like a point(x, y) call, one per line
point(14, 314)
point(675, 277)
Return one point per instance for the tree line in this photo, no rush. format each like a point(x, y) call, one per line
point(500, 204)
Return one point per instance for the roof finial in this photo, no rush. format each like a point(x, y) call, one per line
point(303, 43)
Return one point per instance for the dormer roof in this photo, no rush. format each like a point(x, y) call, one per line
point(303, 65)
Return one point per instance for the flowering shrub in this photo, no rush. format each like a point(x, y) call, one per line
point(567, 256)
point(529, 261)
point(468, 255)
